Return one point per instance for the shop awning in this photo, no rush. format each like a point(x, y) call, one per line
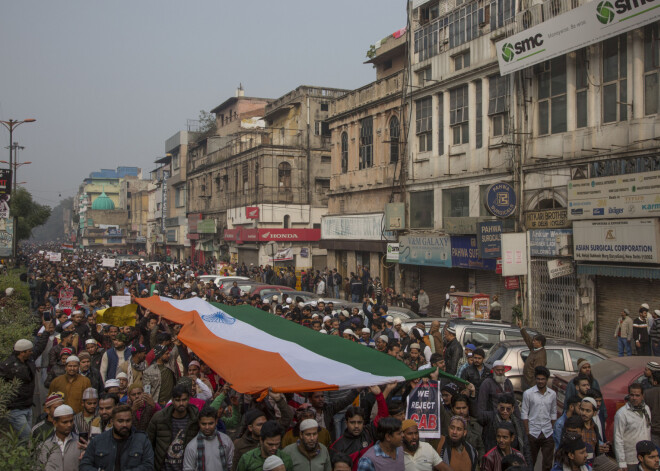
point(649, 273)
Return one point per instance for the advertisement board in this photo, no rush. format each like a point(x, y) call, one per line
point(252, 212)
point(392, 252)
point(489, 239)
point(501, 200)
point(621, 240)
point(6, 237)
point(514, 254)
point(355, 227)
point(206, 226)
point(465, 254)
point(288, 235)
point(547, 218)
point(547, 242)
point(587, 24)
point(560, 267)
point(432, 251)
point(619, 196)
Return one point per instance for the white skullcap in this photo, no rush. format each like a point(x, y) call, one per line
point(321, 300)
point(289, 300)
point(272, 462)
point(389, 319)
point(315, 315)
point(72, 358)
point(63, 410)
point(88, 341)
point(398, 321)
point(327, 318)
point(23, 345)
point(498, 363)
point(350, 332)
point(122, 375)
point(307, 424)
point(366, 330)
point(591, 401)
point(111, 383)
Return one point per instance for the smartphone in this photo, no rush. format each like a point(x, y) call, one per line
point(147, 388)
point(46, 315)
point(84, 435)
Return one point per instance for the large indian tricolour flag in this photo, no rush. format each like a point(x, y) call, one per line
point(254, 350)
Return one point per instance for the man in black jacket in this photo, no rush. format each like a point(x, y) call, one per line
point(326, 410)
point(20, 365)
point(453, 350)
point(476, 373)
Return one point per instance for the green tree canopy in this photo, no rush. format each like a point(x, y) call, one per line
point(28, 213)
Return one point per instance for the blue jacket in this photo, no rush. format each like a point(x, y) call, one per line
point(100, 454)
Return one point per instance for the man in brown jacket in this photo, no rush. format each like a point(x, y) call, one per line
point(537, 355)
point(72, 384)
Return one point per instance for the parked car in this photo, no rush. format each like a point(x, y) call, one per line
point(562, 357)
point(614, 375)
point(267, 295)
point(221, 281)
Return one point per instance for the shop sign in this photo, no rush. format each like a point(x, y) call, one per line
point(5, 181)
point(141, 240)
point(252, 212)
point(548, 218)
point(587, 24)
point(231, 234)
point(511, 282)
point(625, 240)
point(465, 254)
point(560, 267)
point(514, 254)
point(289, 235)
point(432, 251)
point(489, 239)
point(465, 225)
point(620, 196)
point(501, 200)
point(548, 242)
point(249, 235)
point(193, 220)
point(207, 226)
point(355, 227)
point(282, 255)
point(392, 252)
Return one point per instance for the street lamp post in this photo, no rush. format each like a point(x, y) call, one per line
point(10, 125)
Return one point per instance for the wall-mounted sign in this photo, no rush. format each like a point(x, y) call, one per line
point(501, 200)
point(620, 196)
point(355, 227)
point(206, 226)
point(392, 252)
point(559, 267)
point(395, 216)
point(587, 24)
point(465, 254)
point(289, 235)
point(548, 242)
point(425, 250)
point(489, 239)
point(547, 218)
point(252, 212)
point(514, 254)
point(623, 240)
point(511, 282)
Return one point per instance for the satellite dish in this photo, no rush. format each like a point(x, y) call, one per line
point(271, 248)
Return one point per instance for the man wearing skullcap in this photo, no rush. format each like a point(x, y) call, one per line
point(647, 455)
point(44, 428)
point(60, 452)
point(307, 453)
point(20, 365)
point(274, 463)
point(418, 455)
point(83, 419)
point(72, 384)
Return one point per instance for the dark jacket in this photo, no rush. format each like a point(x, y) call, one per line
point(489, 395)
point(489, 420)
point(453, 354)
point(536, 358)
point(26, 372)
point(471, 375)
point(241, 446)
point(160, 431)
point(100, 454)
point(94, 376)
point(332, 408)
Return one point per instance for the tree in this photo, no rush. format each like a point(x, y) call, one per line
point(28, 213)
point(54, 229)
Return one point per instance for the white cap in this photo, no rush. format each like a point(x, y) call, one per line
point(272, 462)
point(77, 311)
point(72, 358)
point(350, 332)
point(63, 410)
point(327, 318)
point(321, 300)
point(498, 363)
point(289, 300)
point(23, 345)
point(645, 306)
point(88, 341)
point(307, 424)
point(323, 331)
point(398, 321)
point(122, 375)
point(452, 287)
point(591, 401)
point(657, 312)
point(384, 338)
point(389, 319)
point(315, 315)
point(275, 298)
point(111, 383)
point(366, 330)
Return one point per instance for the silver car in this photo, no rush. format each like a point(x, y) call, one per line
point(562, 357)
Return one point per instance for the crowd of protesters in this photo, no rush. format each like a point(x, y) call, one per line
point(105, 397)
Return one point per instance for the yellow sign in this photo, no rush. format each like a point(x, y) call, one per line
point(119, 316)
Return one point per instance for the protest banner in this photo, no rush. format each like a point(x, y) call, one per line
point(119, 301)
point(55, 257)
point(66, 299)
point(109, 262)
point(119, 316)
point(423, 407)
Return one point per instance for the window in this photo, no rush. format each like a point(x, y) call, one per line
point(478, 137)
point(577, 354)
point(366, 142)
point(175, 161)
point(387, 64)
point(462, 60)
point(246, 174)
point(179, 196)
point(424, 124)
point(501, 12)
point(326, 159)
point(458, 114)
point(441, 125)
point(498, 104)
point(615, 72)
point(456, 202)
point(426, 41)
point(651, 65)
point(581, 82)
point(481, 338)
point(394, 139)
point(555, 358)
point(421, 209)
point(324, 107)
point(287, 221)
point(423, 76)
point(464, 25)
point(344, 152)
point(551, 81)
point(321, 128)
point(284, 175)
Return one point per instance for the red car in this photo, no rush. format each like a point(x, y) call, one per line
point(614, 375)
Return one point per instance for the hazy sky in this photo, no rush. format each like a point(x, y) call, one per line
point(110, 81)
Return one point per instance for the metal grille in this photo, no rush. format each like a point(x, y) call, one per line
point(553, 302)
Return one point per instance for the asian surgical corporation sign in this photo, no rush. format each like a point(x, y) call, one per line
point(587, 24)
point(501, 200)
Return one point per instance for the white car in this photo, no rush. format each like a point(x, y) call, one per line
point(221, 281)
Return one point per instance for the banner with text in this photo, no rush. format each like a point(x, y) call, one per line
point(423, 407)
